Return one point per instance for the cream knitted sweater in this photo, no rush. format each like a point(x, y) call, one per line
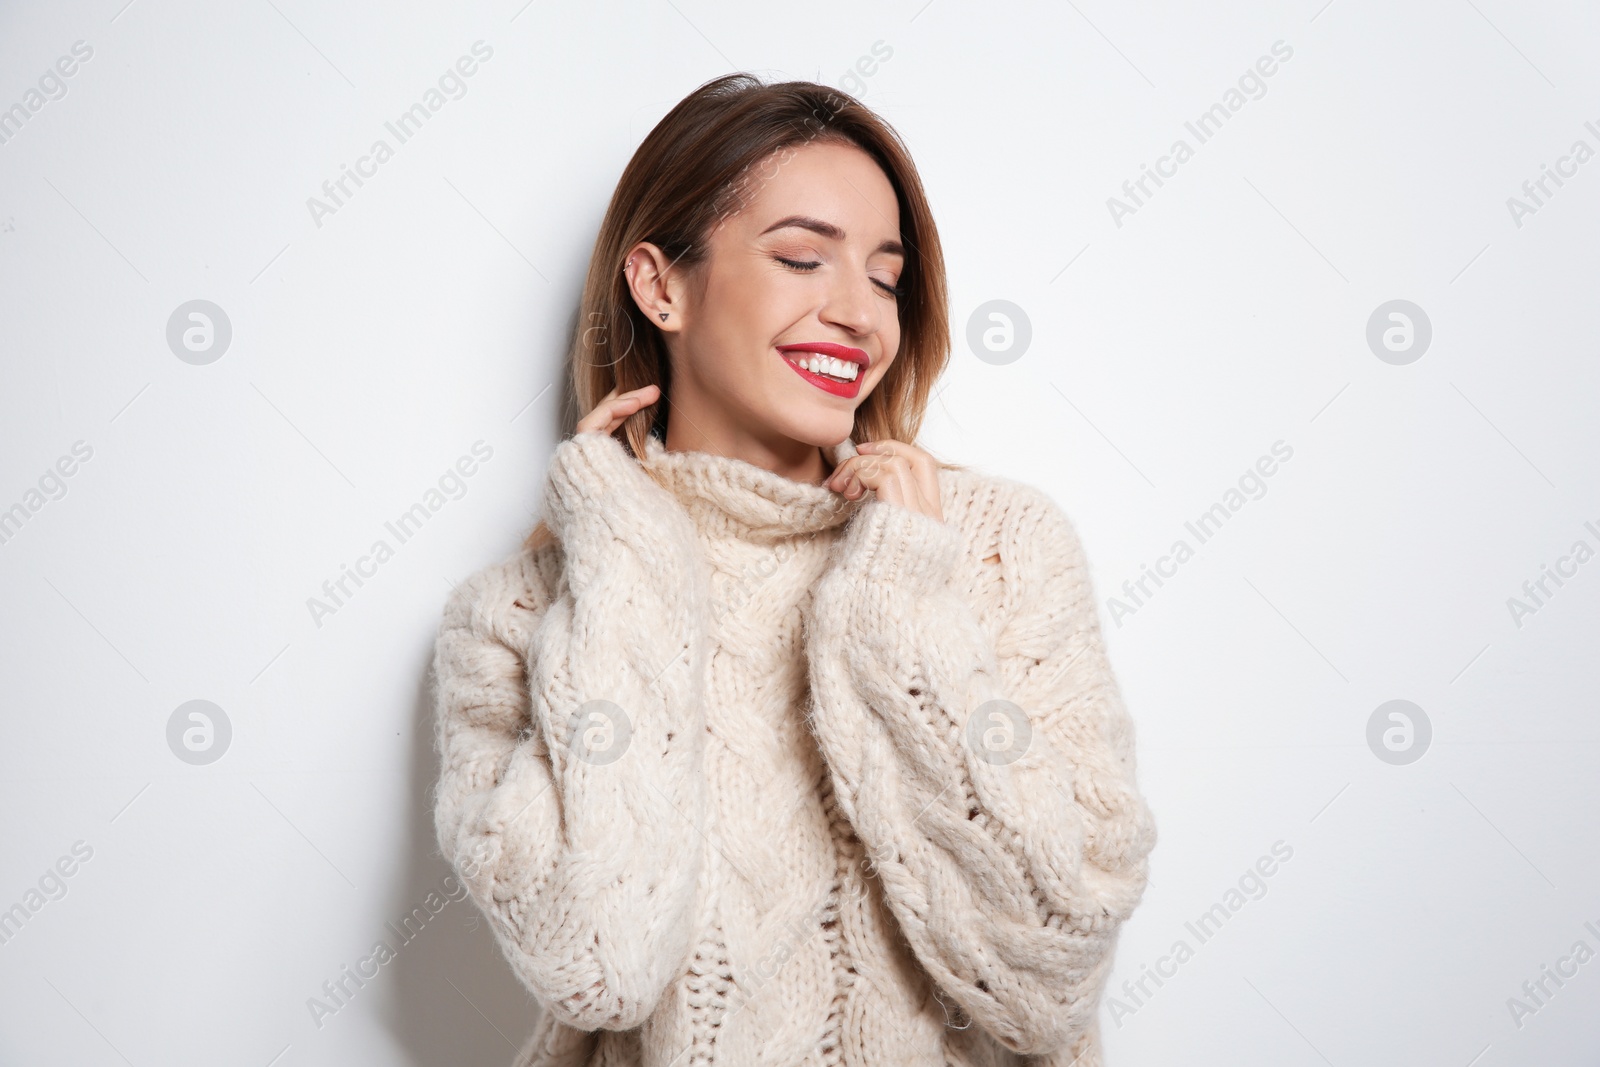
point(745, 773)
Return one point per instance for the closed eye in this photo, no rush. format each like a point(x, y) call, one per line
point(892, 290)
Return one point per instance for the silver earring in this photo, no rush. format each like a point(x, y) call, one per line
point(664, 316)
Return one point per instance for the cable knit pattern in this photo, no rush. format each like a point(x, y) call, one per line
point(745, 773)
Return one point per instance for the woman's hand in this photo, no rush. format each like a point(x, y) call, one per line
point(897, 472)
point(613, 409)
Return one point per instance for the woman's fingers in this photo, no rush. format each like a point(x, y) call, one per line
point(921, 466)
point(614, 408)
point(598, 417)
point(897, 472)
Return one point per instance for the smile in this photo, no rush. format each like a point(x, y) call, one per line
point(833, 368)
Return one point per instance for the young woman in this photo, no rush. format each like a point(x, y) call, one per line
point(780, 741)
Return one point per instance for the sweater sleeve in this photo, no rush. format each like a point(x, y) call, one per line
point(569, 724)
point(992, 781)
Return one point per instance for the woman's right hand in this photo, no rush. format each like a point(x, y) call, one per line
point(613, 409)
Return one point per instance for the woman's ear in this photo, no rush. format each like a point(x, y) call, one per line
point(657, 289)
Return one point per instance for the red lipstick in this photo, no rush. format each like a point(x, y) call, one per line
point(803, 351)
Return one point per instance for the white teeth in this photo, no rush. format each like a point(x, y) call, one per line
point(838, 368)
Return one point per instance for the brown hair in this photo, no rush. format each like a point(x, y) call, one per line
point(700, 166)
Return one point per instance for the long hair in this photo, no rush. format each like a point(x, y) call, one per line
point(700, 166)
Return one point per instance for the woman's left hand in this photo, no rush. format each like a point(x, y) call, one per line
point(897, 472)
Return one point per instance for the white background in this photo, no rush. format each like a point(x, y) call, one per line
point(1168, 353)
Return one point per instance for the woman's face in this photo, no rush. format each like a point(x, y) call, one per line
point(811, 258)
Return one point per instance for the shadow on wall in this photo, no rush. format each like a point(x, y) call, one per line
point(454, 998)
point(451, 996)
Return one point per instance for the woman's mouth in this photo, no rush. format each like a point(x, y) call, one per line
point(836, 369)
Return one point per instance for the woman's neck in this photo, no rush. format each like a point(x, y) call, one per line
point(794, 460)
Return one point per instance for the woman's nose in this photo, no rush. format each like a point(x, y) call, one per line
point(850, 305)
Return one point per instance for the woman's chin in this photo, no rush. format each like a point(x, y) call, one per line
point(824, 429)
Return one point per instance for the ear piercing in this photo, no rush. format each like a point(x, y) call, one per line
point(626, 269)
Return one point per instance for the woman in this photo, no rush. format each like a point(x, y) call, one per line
point(769, 746)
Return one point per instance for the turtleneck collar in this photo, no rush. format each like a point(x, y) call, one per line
point(738, 498)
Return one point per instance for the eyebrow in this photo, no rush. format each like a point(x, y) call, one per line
point(828, 230)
